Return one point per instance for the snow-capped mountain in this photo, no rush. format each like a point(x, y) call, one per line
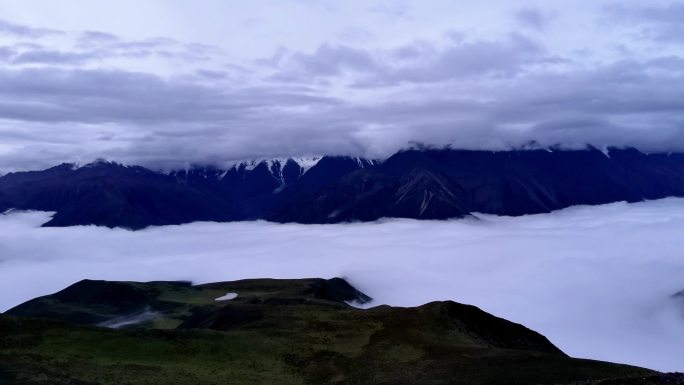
point(415, 183)
point(276, 165)
point(253, 182)
point(278, 172)
point(284, 170)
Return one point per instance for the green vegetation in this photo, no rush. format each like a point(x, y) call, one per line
point(274, 332)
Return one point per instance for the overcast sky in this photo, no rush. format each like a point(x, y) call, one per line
point(169, 82)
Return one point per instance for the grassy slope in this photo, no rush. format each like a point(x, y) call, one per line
point(279, 332)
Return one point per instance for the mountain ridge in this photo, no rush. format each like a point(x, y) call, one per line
point(413, 183)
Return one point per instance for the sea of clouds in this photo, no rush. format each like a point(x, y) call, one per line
point(597, 281)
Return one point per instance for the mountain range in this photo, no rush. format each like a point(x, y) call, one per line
point(415, 183)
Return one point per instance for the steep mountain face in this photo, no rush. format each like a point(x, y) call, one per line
point(253, 184)
point(367, 195)
point(114, 195)
point(246, 180)
point(263, 185)
point(272, 331)
point(111, 194)
point(421, 184)
point(436, 184)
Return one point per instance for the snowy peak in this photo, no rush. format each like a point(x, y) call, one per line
point(100, 162)
point(282, 170)
point(276, 165)
point(306, 163)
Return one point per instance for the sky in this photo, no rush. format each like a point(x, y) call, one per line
point(167, 83)
point(597, 281)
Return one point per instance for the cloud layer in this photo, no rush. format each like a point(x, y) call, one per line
point(598, 73)
point(589, 278)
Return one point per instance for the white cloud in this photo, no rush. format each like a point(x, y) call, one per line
point(596, 280)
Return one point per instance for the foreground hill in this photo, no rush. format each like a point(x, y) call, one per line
point(273, 331)
point(418, 183)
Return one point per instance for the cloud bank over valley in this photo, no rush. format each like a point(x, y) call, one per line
point(597, 281)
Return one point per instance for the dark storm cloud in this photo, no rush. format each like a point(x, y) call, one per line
point(171, 121)
point(471, 92)
point(160, 121)
point(100, 96)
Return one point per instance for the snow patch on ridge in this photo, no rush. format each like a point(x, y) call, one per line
point(277, 164)
point(227, 297)
point(307, 163)
point(275, 167)
point(606, 152)
point(95, 163)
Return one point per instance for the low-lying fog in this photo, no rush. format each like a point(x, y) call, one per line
point(597, 281)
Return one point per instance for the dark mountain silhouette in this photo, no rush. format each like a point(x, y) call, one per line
point(417, 183)
point(438, 184)
point(111, 194)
